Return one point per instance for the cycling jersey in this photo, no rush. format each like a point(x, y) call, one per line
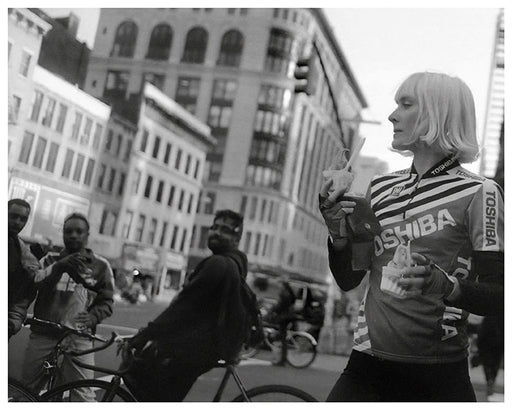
point(445, 215)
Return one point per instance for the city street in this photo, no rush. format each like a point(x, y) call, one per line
point(316, 380)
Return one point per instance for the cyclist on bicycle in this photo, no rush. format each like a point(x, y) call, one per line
point(81, 300)
point(204, 323)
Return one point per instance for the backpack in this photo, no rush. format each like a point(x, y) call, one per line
point(254, 325)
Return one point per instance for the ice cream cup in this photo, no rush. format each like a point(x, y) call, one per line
point(341, 178)
point(389, 283)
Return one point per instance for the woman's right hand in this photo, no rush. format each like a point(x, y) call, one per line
point(334, 211)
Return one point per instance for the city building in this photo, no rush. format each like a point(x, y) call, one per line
point(234, 70)
point(61, 52)
point(494, 115)
point(25, 34)
point(163, 183)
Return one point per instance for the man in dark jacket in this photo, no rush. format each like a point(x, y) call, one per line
point(204, 323)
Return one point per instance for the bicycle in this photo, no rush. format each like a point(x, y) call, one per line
point(18, 392)
point(114, 390)
point(301, 346)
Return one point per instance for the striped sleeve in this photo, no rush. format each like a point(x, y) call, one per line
point(486, 218)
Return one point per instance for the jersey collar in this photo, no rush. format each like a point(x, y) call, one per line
point(441, 168)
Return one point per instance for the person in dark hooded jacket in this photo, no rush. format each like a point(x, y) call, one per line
point(204, 323)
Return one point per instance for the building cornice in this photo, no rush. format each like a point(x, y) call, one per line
point(331, 38)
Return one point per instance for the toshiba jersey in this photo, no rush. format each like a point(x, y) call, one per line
point(446, 215)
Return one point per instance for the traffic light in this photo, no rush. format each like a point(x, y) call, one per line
point(306, 75)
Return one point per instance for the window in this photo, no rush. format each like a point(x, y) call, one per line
point(119, 144)
point(163, 234)
point(243, 205)
point(77, 174)
point(152, 230)
point(124, 43)
point(36, 106)
point(187, 93)
point(281, 51)
point(160, 42)
point(128, 150)
point(15, 108)
point(178, 159)
point(101, 176)
point(209, 203)
point(61, 119)
point(88, 171)
point(167, 153)
point(224, 90)
point(26, 147)
point(127, 224)
point(190, 203)
point(156, 147)
point(231, 48)
point(76, 125)
point(136, 181)
point(183, 240)
point(274, 97)
point(122, 180)
point(181, 199)
point(108, 223)
point(219, 117)
point(48, 114)
point(86, 134)
point(111, 180)
point(174, 237)
point(196, 169)
point(26, 58)
point(203, 237)
point(171, 195)
point(157, 80)
point(52, 157)
point(159, 191)
point(116, 84)
point(140, 227)
point(144, 140)
point(68, 161)
point(109, 140)
point(195, 46)
point(39, 153)
point(147, 190)
point(187, 164)
point(97, 136)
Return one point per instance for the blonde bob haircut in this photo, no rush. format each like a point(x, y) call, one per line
point(446, 111)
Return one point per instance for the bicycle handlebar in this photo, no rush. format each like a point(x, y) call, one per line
point(59, 326)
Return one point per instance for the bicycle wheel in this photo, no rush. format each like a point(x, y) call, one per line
point(275, 393)
point(301, 351)
point(96, 390)
point(18, 393)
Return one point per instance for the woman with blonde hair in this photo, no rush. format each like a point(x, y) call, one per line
point(411, 342)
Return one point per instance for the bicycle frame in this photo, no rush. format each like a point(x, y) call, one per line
point(230, 371)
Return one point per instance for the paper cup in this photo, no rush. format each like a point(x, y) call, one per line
point(341, 178)
point(389, 283)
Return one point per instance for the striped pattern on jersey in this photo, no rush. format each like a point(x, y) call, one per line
point(362, 342)
point(392, 196)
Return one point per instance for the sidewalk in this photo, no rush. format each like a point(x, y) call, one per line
point(337, 363)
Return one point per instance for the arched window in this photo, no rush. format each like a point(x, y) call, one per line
point(124, 43)
point(160, 42)
point(231, 49)
point(195, 46)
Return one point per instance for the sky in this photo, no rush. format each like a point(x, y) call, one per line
point(384, 45)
